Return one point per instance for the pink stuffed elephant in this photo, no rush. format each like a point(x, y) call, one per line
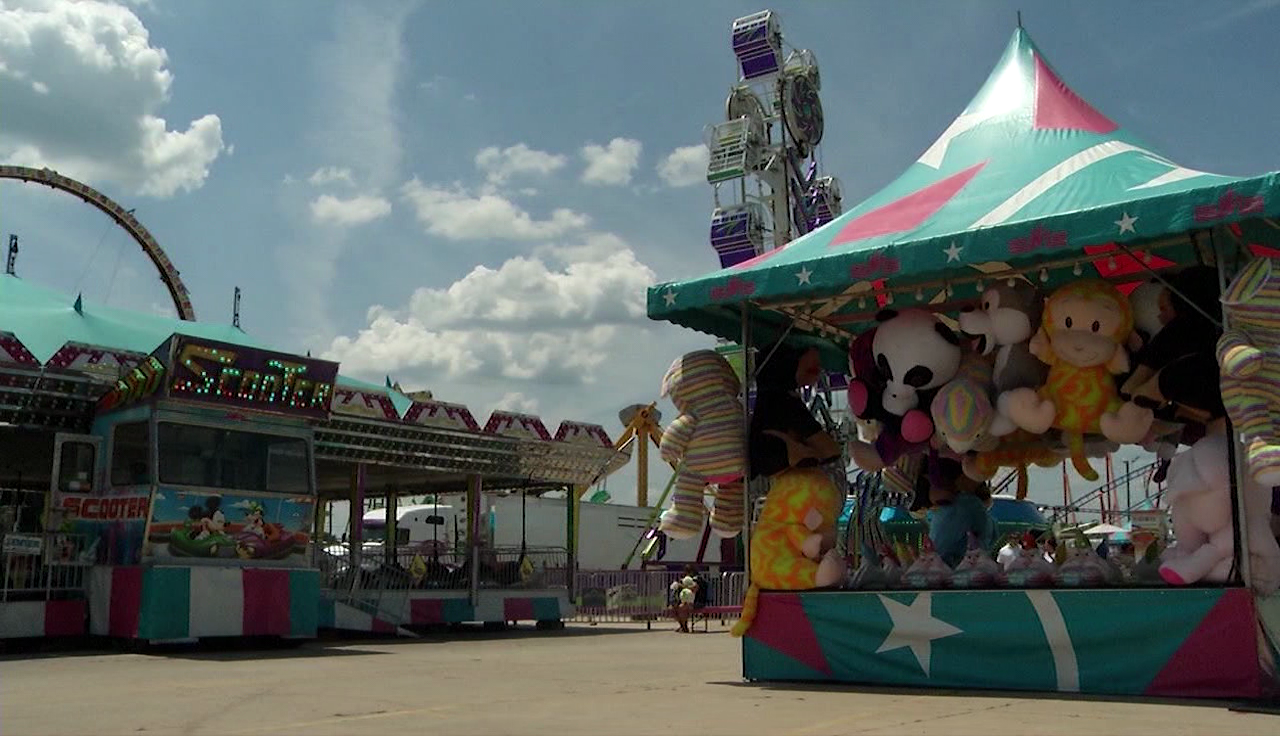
point(1199, 498)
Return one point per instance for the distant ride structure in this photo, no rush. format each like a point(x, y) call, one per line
point(122, 217)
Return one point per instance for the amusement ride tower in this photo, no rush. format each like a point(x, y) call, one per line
point(763, 158)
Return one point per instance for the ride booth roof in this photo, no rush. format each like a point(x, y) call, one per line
point(210, 468)
point(1030, 183)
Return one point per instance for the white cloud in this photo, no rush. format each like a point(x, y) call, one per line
point(501, 164)
point(685, 166)
point(517, 402)
point(81, 85)
point(526, 320)
point(456, 214)
point(356, 76)
point(611, 165)
point(329, 175)
point(330, 210)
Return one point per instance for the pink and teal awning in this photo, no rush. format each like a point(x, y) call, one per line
point(1029, 177)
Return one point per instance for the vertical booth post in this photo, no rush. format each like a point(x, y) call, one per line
point(573, 511)
point(389, 544)
point(357, 519)
point(474, 520)
point(748, 374)
point(1236, 463)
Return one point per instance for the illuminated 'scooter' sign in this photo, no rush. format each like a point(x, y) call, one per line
point(212, 372)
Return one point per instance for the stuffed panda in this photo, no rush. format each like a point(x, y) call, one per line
point(914, 353)
point(897, 367)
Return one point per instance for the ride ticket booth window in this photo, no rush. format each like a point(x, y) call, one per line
point(76, 465)
point(212, 457)
point(131, 454)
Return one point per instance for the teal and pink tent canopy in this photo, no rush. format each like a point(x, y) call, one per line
point(1030, 179)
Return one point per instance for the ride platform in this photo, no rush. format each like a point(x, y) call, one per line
point(387, 611)
point(1171, 642)
point(182, 603)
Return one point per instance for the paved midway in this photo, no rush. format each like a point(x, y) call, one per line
point(619, 680)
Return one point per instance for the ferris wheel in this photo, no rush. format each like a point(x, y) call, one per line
point(124, 218)
point(763, 158)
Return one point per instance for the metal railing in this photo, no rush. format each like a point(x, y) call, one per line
point(44, 566)
point(409, 568)
point(623, 596)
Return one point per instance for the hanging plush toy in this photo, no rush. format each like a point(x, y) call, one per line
point(709, 438)
point(1004, 324)
point(1082, 339)
point(1250, 365)
point(793, 541)
point(962, 409)
point(1199, 497)
point(897, 368)
point(1171, 367)
point(1018, 450)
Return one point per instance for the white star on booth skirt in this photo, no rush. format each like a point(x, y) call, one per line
point(915, 627)
point(803, 275)
point(1126, 223)
point(670, 298)
point(953, 253)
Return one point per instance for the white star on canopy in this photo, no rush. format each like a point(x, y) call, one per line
point(670, 297)
point(803, 275)
point(1126, 223)
point(915, 627)
point(953, 253)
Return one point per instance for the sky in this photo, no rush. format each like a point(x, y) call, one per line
point(472, 198)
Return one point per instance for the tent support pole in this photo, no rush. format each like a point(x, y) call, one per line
point(1238, 472)
point(747, 380)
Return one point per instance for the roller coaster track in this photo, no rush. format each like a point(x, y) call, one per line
point(124, 218)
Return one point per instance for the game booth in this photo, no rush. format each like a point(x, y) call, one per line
point(1040, 287)
point(160, 481)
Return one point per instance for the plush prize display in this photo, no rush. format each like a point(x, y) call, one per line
point(793, 541)
point(962, 410)
point(1250, 366)
point(897, 367)
point(1199, 497)
point(1004, 323)
point(928, 571)
point(1082, 339)
point(1181, 351)
point(977, 569)
point(709, 440)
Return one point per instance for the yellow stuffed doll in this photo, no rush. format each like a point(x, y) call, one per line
point(1082, 339)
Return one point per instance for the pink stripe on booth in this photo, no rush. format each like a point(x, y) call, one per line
point(426, 611)
point(517, 609)
point(126, 601)
point(266, 602)
point(64, 618)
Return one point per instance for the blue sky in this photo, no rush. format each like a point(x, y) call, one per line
point(471, 197)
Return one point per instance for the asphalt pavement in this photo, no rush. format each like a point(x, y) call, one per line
point(618, 680)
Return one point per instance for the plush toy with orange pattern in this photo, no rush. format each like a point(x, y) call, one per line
point(1082, 339)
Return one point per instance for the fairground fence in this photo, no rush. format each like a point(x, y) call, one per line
point(624, 596)
point(41, 567)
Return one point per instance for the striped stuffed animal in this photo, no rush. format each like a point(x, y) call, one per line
point(962, 410)
point(709, 438)
point(1250, 367)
